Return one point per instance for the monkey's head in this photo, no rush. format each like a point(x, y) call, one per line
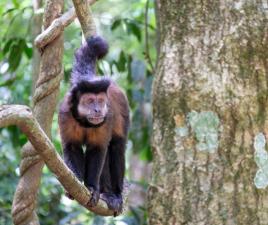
point(90, 103)
point(93, 107)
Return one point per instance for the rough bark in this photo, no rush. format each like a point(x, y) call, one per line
point(209, 104)
point(85, 17)
point(45, 100)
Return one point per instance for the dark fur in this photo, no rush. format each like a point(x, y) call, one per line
point(85, 59)
point(102, 166)
point(93, 86)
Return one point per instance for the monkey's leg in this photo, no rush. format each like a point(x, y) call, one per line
point(75, 160)
point(105, 179)
point(95, 158)
point(117, 170)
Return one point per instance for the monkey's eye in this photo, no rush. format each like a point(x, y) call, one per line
point(90, 100)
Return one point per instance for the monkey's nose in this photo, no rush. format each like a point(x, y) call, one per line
point(97, 110)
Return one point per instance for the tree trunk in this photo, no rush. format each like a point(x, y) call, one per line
point(45, 101)
point(210, 114)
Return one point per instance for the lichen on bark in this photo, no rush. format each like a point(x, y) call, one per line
point(261, 159)
point(205, 126)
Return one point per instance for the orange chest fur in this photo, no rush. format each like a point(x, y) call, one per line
point(73, 132)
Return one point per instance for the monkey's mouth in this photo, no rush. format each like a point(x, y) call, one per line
point(95, 120)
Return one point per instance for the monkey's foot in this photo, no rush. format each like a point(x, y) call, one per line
point(95, 196)
point(114, 202)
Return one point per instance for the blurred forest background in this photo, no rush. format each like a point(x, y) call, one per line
point(129, 27)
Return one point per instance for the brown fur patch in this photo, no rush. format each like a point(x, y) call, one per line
point(120, 110)
point(99, 136)
point(70, 130)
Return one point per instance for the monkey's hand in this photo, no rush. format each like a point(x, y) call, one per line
point(114, 202)
point(95, 196)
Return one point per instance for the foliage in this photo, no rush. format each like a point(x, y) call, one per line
point(124, 27)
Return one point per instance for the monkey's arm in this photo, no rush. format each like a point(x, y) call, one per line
point(74, 159)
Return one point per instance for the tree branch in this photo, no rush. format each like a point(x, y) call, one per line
point(85, 17)
point(22, 117)
point(56, 27)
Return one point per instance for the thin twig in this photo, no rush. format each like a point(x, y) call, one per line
point(147, 51)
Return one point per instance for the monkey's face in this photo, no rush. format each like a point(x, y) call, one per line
point(93, 107)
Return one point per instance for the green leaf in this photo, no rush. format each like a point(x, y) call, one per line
point(121, 63)
point(28, 50)
point(7, 46)
point(99, 69)
point(15, 55)
point(134, 29)
point(8, 11)
point(116, 24)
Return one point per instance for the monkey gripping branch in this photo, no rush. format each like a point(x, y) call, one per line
point(22, 117)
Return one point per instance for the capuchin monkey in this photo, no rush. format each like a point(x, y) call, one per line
point(95, 114)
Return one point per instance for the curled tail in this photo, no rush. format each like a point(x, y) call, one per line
point(84, 68)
